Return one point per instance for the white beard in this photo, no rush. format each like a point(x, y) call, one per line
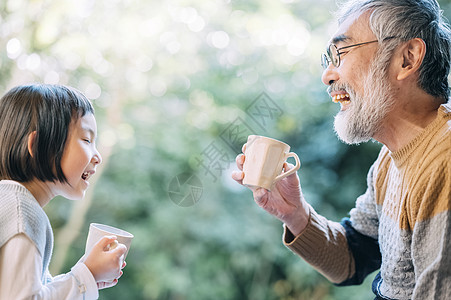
point(365, 113)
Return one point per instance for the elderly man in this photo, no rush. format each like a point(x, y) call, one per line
point(387, 65)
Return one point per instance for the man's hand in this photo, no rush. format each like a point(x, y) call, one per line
point(285, 201)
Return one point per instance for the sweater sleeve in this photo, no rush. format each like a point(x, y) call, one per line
point(345, 253)
point(323, 245)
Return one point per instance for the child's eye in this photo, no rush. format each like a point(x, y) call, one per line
point(87, 141)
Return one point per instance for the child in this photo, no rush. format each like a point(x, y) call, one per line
point(47, 148)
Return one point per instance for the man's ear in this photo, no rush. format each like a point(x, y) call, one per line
point(31, 140)
point(412, 55)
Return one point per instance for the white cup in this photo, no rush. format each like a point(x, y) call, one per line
point(98, 231)
point(264, 161)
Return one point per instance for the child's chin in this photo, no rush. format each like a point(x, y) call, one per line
point(75, 196)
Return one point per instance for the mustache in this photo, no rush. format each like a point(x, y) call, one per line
point(336, 87)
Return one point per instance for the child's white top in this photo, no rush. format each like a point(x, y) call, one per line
point(24, 254)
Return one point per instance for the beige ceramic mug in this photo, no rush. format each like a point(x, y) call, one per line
point(264, 161)
point(98, 231)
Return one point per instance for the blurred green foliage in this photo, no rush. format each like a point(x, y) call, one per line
point(167, 79)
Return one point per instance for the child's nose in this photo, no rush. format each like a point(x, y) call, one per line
point(97, 158)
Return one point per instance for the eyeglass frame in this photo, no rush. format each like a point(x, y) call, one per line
point(326, 58)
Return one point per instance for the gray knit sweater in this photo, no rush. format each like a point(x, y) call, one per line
point(21, 213)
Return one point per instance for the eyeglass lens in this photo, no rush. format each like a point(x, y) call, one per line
point(325, 61)
point(331, 56)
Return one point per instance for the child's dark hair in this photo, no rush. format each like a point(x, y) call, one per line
point(48, 110)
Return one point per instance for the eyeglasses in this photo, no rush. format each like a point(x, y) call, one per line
point(333, 53)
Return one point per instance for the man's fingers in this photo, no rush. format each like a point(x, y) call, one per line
point(238, 176)
point(240, 161)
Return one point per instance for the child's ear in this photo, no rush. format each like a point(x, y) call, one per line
point(31, 139)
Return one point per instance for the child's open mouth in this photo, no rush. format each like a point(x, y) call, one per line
point(85, 175)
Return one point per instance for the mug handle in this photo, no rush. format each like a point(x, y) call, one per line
point(296, 167)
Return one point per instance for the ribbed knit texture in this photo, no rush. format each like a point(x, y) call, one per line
point(319, 241)
point(21, 213)
point(407, 208)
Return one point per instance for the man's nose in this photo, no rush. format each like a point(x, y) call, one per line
point(330, 75)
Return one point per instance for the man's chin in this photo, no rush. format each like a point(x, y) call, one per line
point(348, 132)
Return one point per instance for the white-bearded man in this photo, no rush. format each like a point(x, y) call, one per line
point(387, 65)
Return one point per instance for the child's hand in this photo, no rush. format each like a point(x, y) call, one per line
point(107, 284)
point(104, 263)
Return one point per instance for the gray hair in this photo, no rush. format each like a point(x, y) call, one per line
point(406, 20)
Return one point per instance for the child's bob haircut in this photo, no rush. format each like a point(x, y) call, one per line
point(47, 110)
